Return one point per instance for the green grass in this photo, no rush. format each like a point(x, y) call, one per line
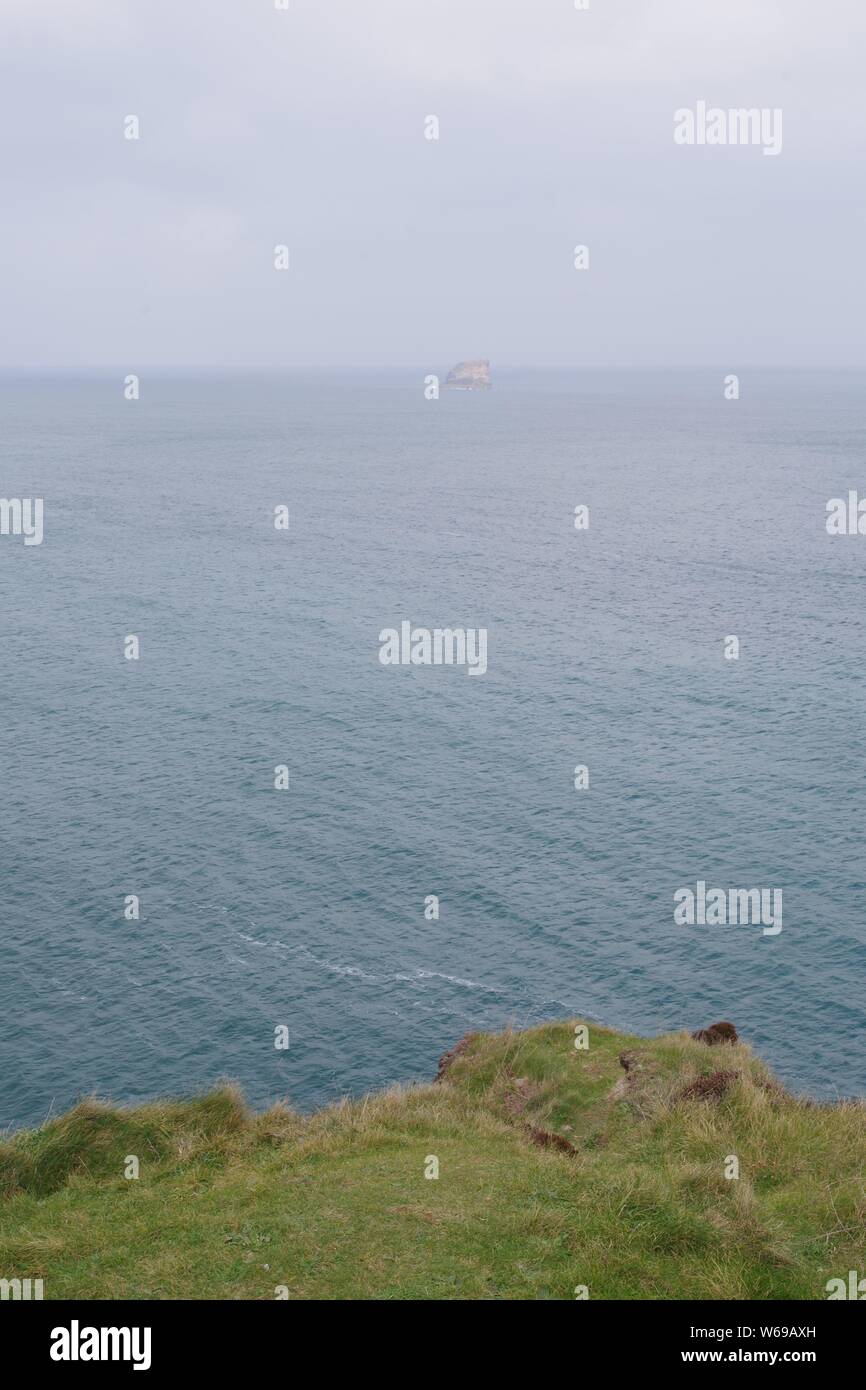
point(335, 1205)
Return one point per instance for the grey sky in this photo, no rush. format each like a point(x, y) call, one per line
point(261, 127)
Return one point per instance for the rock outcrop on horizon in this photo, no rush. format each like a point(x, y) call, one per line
point(472, 375)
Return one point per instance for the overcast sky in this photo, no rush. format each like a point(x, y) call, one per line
point(261, 127)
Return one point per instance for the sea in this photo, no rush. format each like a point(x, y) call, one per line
point(304, 914)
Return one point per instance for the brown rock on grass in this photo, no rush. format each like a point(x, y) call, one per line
point(716, 1033)
point(547, 1139)
point(711, 1087)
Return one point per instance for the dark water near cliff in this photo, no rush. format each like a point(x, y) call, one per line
point(305, 907)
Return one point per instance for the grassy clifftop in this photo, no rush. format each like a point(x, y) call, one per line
point(557, 1168)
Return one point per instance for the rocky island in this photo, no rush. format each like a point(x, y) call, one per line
point(472, 375)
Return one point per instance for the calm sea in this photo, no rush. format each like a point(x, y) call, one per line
point(259, 647)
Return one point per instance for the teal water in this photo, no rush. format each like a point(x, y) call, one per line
point(258, 648)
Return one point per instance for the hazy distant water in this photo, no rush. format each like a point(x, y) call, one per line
point(306, 907)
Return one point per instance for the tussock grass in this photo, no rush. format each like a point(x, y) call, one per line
point(335, 1205)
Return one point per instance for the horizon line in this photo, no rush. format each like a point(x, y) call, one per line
point(271, 370)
